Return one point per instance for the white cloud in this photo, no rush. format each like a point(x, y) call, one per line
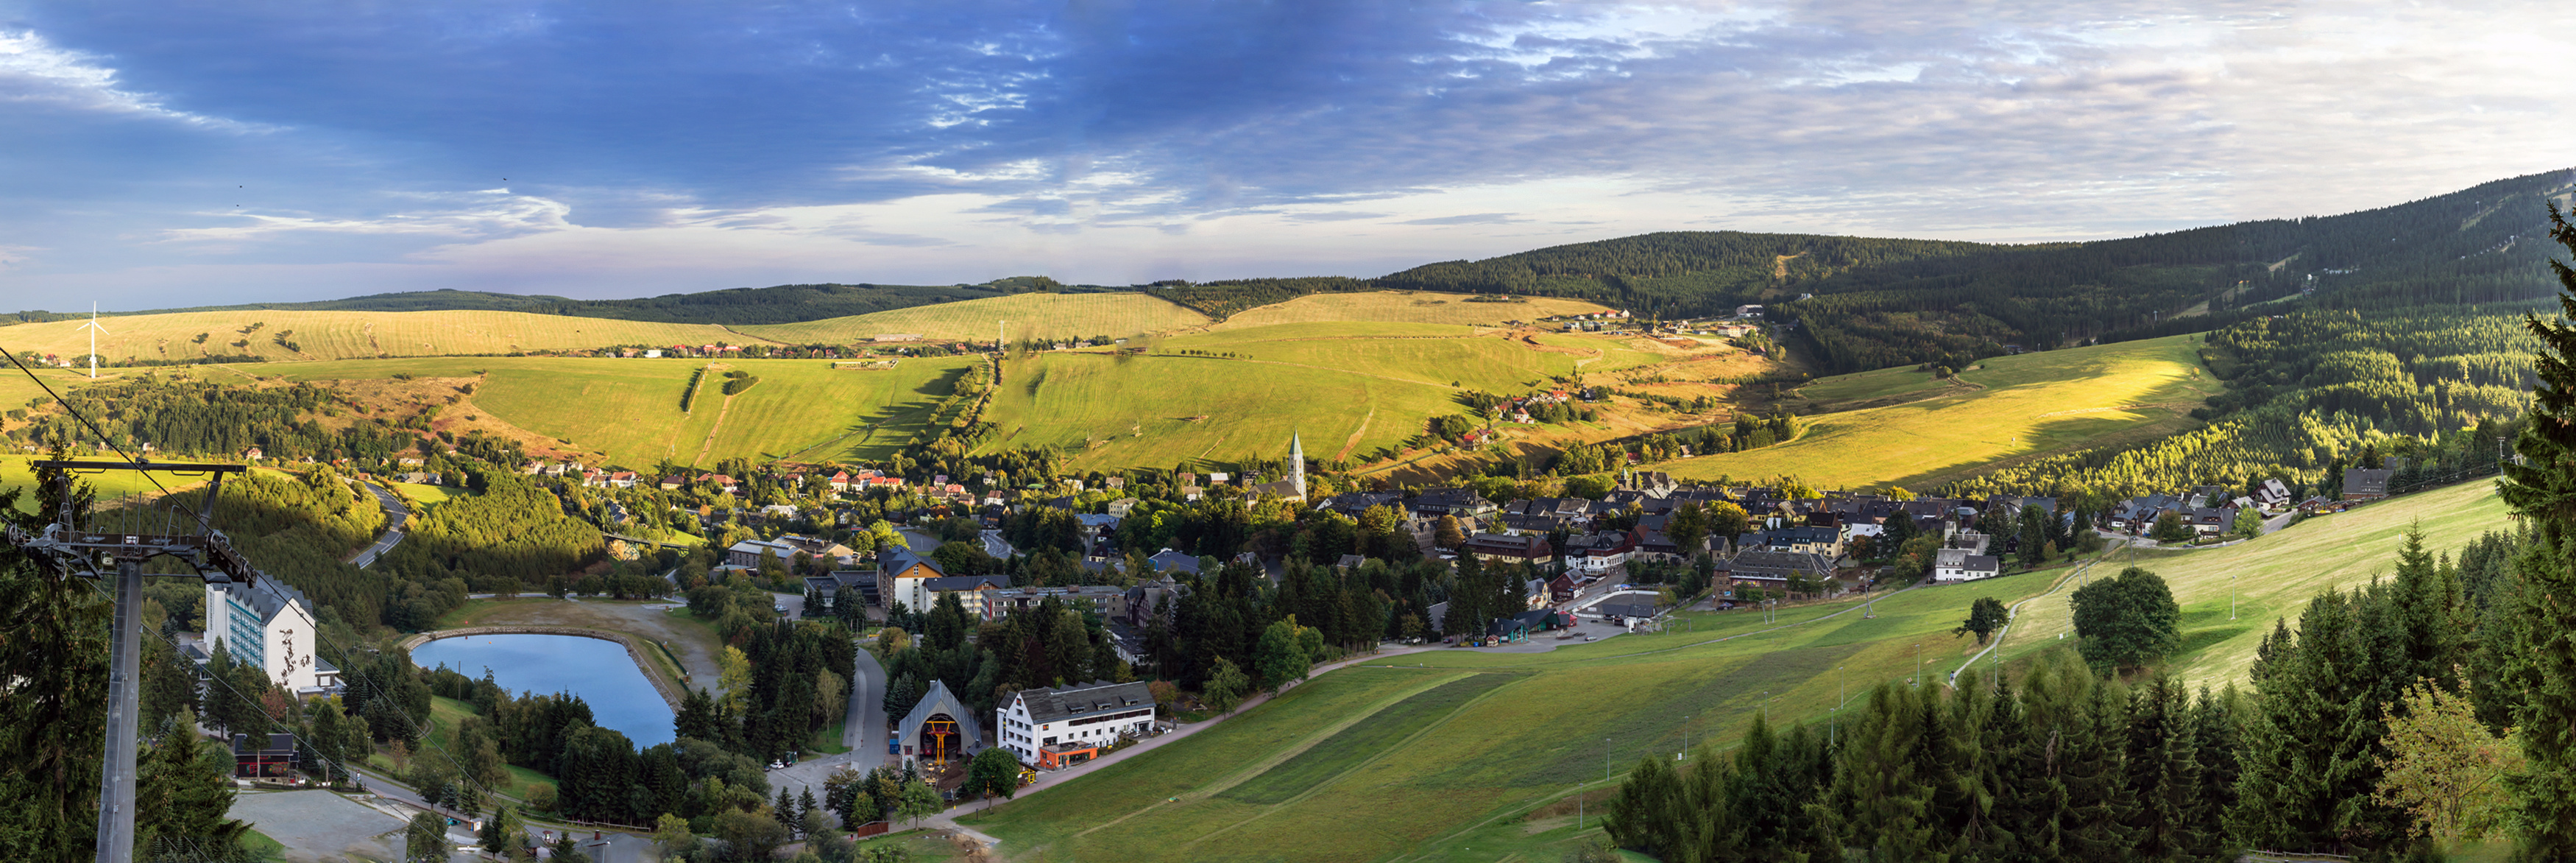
point(480, 214)
point(32, 69)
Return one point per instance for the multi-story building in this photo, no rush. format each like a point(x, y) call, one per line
point(1052, 728)
point(269, 625)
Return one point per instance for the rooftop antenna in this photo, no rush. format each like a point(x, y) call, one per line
point(94, 329)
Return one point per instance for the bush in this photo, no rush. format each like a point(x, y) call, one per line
point(542, 798)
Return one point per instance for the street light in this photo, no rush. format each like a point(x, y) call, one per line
point(1842, 689)
point(1918, 666)
point(1605, 759)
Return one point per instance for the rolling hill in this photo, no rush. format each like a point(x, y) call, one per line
point(1028, 316)
point(1452, 754)
point(288, 336)
point(1922, 432)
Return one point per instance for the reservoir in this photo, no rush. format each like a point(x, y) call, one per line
point(597, 670)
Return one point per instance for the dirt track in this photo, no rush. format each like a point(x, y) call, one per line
point(696, 646)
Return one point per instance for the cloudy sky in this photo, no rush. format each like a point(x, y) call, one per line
point(159, 154)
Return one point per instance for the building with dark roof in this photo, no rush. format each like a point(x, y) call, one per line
point(2365, 483)
point(1053, 728)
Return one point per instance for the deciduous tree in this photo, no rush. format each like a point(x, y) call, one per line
point(2126, 621)
point(1984, 617)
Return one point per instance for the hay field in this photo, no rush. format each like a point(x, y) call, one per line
point(2276, 575)
point(1156, 411)
point(2021, 406)
point(1411, 307)
point(1040, 316)
point(630, 409)
point(110, 486)
point(351, 335)
point(1442, 761)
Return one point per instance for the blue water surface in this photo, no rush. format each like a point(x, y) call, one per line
point(598, 671)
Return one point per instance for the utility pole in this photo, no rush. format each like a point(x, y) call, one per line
point(1605, 759)
point(1918, 666)
point(75, 550)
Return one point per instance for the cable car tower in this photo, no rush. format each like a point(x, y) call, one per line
point(125, 539)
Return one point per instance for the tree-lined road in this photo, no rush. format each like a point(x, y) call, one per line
point(395, 515)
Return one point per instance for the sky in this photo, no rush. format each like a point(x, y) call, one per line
point(170, 154)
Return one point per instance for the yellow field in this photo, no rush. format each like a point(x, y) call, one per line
point(350, 335)
point(1411, 307)
point(2020, 406)
point(1038, 316)
point(2275, 576)
point(629, 410)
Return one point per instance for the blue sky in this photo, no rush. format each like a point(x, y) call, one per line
point(161, 154)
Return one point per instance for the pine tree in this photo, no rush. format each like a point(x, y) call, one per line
point(2542, 488)
point(2164, 770)
point(183, 789)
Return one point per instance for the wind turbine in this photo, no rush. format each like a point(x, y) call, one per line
point(94, 329)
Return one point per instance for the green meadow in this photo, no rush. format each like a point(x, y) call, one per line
point(2013, 407)
point(2275, 576)
point(1026, 316)
point(1460, 755)
point(630, 408)
point(348, 335)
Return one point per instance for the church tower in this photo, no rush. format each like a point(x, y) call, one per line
point(1297, 463)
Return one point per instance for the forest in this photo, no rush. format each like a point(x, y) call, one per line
point(2061, 759)
point(2311, 393)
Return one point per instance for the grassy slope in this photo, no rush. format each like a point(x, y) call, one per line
point(630, 409)
point(109, 485)
point(2028, 404)
point(1445, 777)
point(1462, 769)
point(352, 335)
point(2275, 576)
point(1404, 307)
point(1043, 316)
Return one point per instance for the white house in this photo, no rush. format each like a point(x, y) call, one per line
point(1052, 728)
point(270, 625)
point(1959, 564)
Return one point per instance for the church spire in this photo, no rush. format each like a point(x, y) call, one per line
point(1297, 462)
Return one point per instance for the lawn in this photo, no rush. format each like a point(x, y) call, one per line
point(630, 408)
point(1416, 307)
point(1442, 756)
point(439, 741)
point(109, 485)
point(421, 497)
point(261, 848)
point(1028, 316)
point(2274, 576)
point(351, 335)
point(2021, 406)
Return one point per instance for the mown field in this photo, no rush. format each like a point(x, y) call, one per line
point(350, 335)
point(1412, 307)
point(2020, 406)
point(1456, 755)
point(1038, 316)
point(2275, 576)
point(1441, 757)
point(630, 409)
point(15, 473)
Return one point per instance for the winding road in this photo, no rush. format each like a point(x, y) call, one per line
point(396, 514)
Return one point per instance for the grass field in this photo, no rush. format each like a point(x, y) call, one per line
point(1455, 755)
point(2275, 576)
point(1030, 316)
point(630, 409)
point(350, 335)
point(1413, 307)
point(1157, 411)
point(2021, 406)
point(109, 485)
point(1443, 757)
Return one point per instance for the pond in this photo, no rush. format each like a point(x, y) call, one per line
point(597, 670)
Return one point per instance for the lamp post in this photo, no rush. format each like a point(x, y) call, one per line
point(1685, 737)
point(1605, 759)
point(1842, 689)
point(1918, 666)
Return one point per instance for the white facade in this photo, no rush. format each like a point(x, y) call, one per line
point(1025, 732)
point(268, 625)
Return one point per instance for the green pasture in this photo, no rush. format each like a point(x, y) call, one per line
point(2273, 577)
point(422, 497)
point(630, 408)
point(1424, 353)
point(1155, 411)
point(1440, 754)
point(109, 485)
point(349, 335)
point(1414, 307)
point(1881, 383)
point(2024, 405)
point(1040, 316)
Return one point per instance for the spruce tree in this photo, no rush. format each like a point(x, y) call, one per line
point(2100, 808)
point(2164, 770)
point(2542, 488)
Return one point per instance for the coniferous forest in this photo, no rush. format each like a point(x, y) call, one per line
point(2386, 722)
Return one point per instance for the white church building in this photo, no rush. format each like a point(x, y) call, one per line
point(270, 625)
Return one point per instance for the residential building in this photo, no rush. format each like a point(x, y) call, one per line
point(2365, 483)
point(1498, 547)
point(1056, 728)
point(1959, 564)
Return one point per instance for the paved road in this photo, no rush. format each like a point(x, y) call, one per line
point(864, 732)
point(396, 515)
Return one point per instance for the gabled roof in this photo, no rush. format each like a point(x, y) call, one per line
point(1086, 699)
point(897, 559)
